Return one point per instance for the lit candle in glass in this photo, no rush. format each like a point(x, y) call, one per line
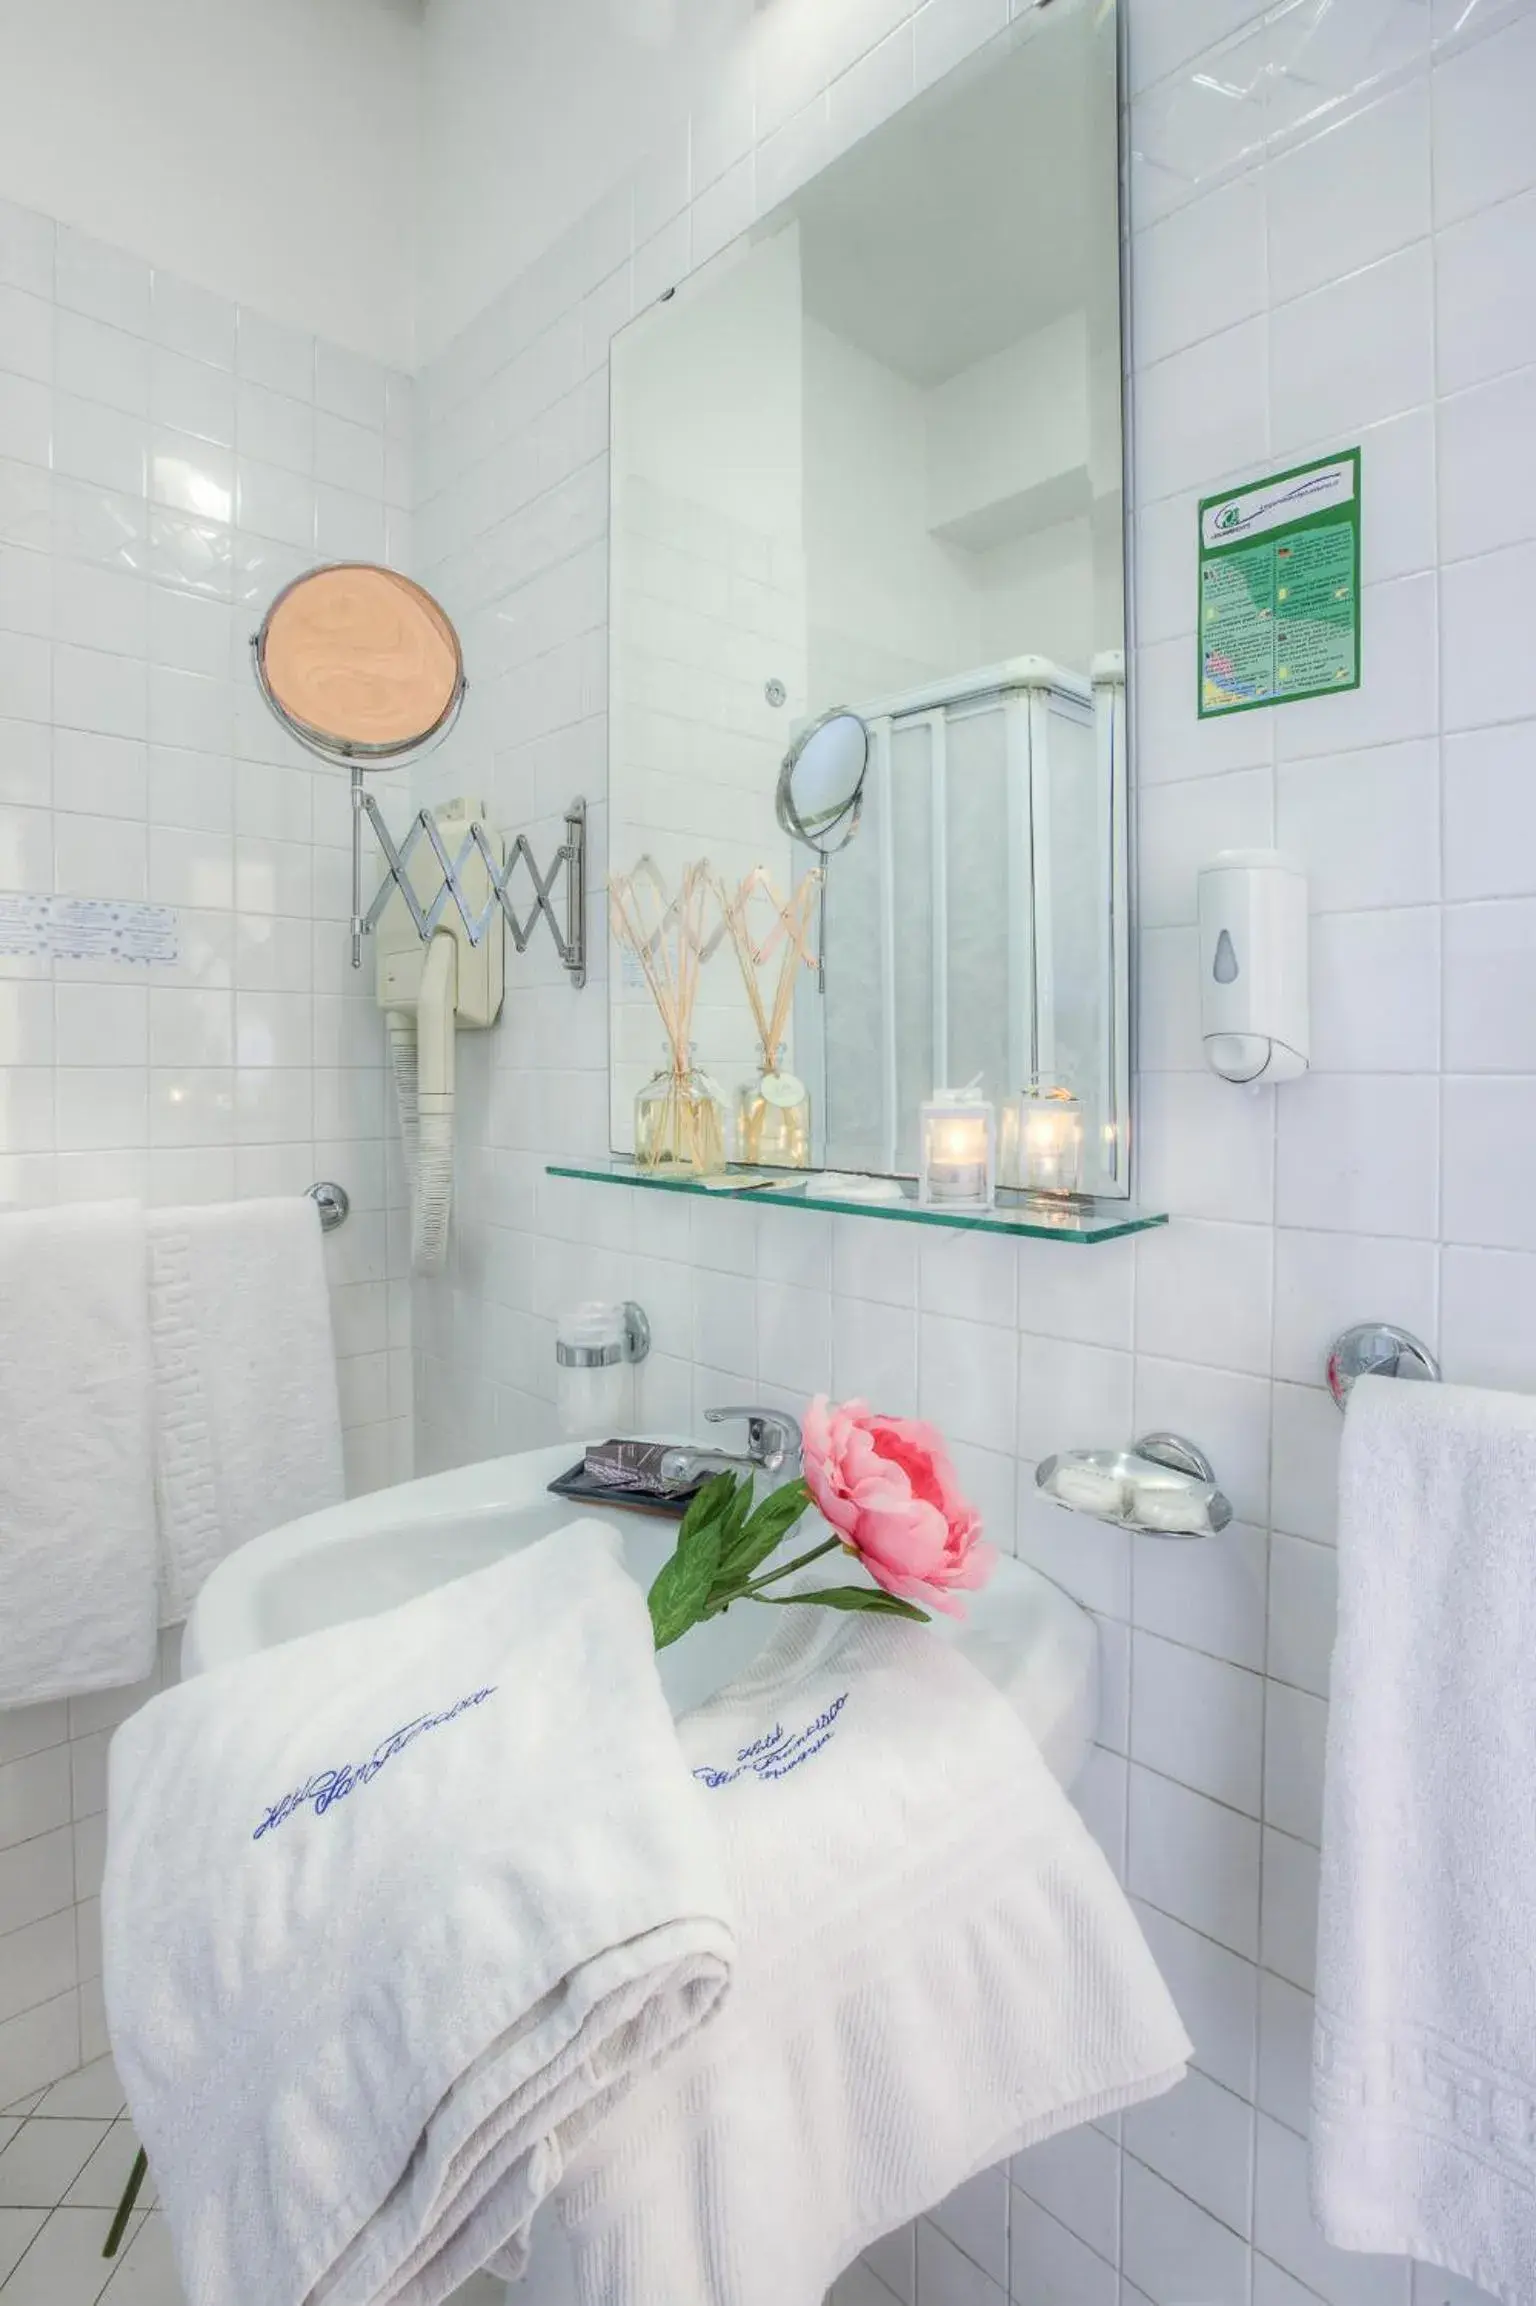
point(1046, 1140)
point(959, 1140)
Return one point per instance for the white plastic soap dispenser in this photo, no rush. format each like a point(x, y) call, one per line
point(1253, 965)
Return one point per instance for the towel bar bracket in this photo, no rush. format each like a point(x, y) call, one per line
point(1378, 1349)
point(333, 1203)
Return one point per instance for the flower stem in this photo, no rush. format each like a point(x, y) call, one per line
point(800, 1561)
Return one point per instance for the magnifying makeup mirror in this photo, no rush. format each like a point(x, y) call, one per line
point(360, 664)
point(821, 782)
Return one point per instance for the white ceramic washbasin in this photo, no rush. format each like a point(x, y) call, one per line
point(353, 1560)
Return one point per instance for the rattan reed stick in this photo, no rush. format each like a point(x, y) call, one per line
point(792, 929)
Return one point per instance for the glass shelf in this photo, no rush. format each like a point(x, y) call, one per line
point(1015, 1213)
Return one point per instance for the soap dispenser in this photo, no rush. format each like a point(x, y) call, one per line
point(1253, 965)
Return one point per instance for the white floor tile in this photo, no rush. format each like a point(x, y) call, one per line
point(1051, 2267)
point(1199, 2138)
point(40, 2045)
point(975, 2219)
point(1432, 2286)
point(43, 2160)
point(17, 2229)
point(64, 2266)
point(94, 2090)
point(146, 2272)
point(1076, 2177)
point(946, 2277)
point(859, 2287)
point(99, 2185)
point(1174, 2250)
point(894, 2259)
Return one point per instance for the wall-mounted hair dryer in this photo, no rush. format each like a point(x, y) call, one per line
point(427, 992)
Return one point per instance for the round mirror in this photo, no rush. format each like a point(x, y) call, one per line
point(821, 783)
point(359, 663)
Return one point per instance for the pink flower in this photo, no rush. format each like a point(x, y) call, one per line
point(887, 1487)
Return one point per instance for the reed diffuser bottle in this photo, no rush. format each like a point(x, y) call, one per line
point(773, 1113)
point(679, 1114)
point(773, 1118)
point(680, 1121)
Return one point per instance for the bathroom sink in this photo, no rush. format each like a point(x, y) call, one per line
point(354, 1560)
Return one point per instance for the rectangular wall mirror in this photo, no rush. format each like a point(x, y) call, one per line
point(869, 462)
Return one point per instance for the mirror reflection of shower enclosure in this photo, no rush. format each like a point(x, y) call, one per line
point(871, 458)
point(963, 933)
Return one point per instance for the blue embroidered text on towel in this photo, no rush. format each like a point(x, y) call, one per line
point(775, 1755)
point(328, 1786)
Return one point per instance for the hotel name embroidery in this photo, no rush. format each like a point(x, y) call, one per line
point(775, 1755)
point(328, 1787)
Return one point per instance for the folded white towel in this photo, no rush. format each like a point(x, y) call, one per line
point(936, 1968)
point(248, 1426)
point(391, 1914)
point(77, 1500)
point(1424, 2054)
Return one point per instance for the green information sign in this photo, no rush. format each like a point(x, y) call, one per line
point(1280, 588)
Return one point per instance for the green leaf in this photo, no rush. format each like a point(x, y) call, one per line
point(734, 1520)
point(871, 1598)
point(724, 1588)
point(680, 1594)
point(707, 1505)
point(757, 1535)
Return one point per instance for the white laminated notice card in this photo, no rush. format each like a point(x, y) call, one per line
point(88, 929)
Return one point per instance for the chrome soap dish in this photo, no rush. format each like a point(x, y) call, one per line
point(1162, 1485)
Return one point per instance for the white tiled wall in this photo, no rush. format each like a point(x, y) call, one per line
point(1334, 215)
point(166, 463)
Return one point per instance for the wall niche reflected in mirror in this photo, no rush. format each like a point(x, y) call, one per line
point(867, 475)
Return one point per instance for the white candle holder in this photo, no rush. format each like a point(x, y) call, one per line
point(959, 1151)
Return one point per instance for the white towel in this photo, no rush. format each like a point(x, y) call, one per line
point(1424, 2053)
point(249, 1430)
point(77, 1500)
point(391, 1913)
point(935, 1968)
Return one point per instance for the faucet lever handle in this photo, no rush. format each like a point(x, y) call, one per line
point(772, 1435)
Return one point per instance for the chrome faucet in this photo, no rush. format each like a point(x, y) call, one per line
point(773, 1442)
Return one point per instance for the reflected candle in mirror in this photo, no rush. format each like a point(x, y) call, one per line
point(1043, 1141)
point(959, 1151)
